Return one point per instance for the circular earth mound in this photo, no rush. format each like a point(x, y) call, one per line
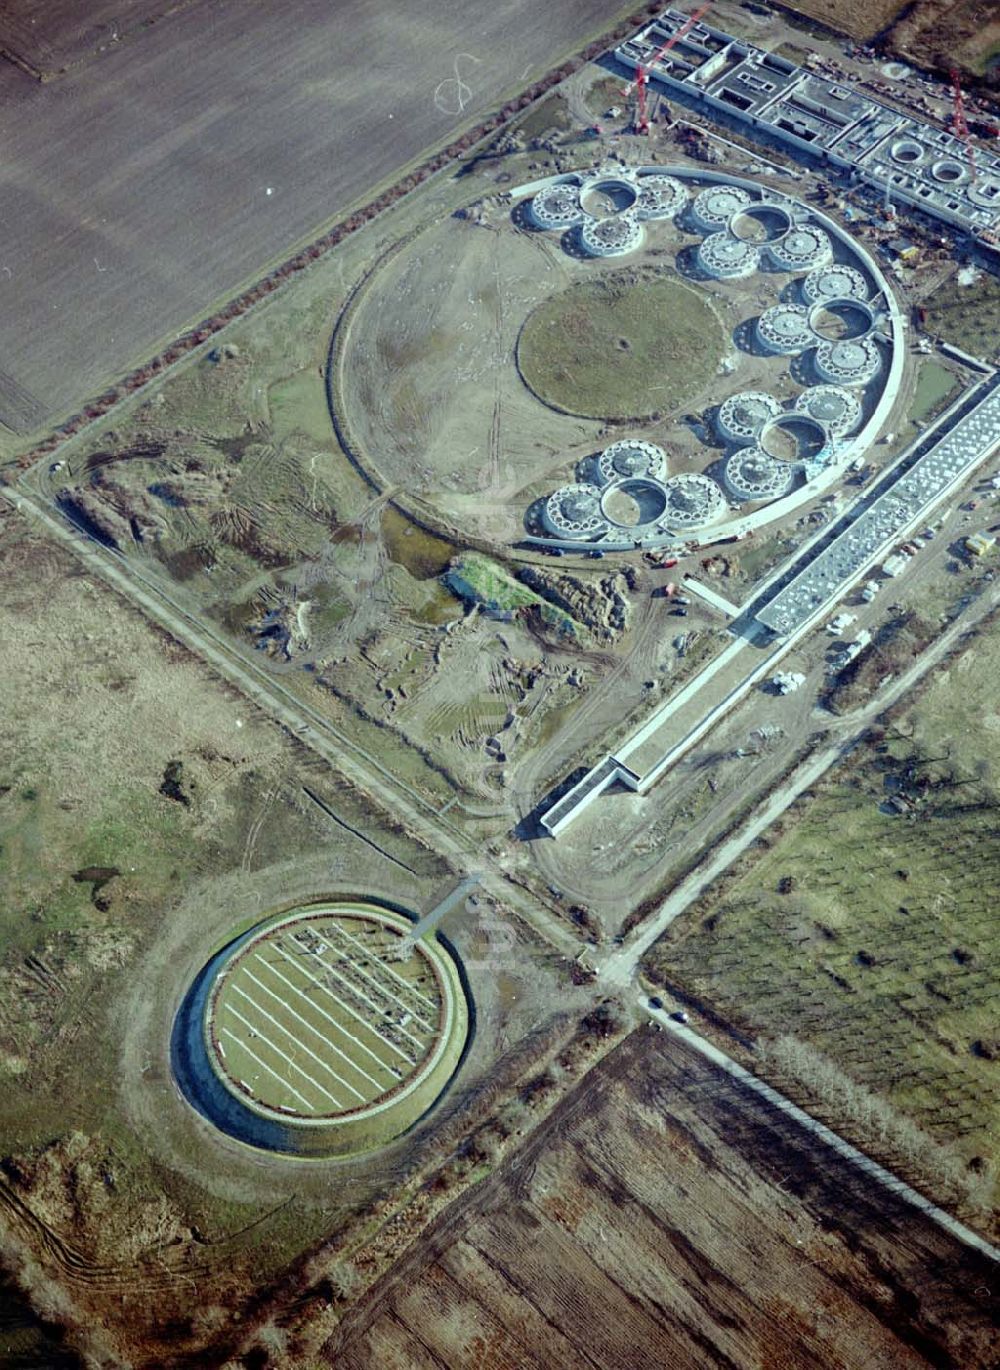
point(625, 346)
point(323, 1030)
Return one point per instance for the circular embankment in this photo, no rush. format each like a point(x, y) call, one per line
point(621, 347)
point(324, 1030)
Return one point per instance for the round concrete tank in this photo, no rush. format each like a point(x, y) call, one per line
point(760, 223)
point(838, 281)
point(907, 152)
point(557, 206)
point(741, 417)
point(727, 258)
point(611, 237)
point(848, 362)
point(793, 437)
point(841, 319)
point(752, 474)
point(660, 197)
point(631, 457)
point(693, 499)
point(713, 208)
point(636, 503)
point(784, 329)
point(805, 247)
point(574, 511)
point(948, 172)
point(837, 409)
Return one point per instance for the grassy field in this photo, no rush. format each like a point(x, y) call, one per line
point(968, 316)
point(870, 936)
point(854, 17)
point(664, 1217)
point(141, 803)
point(627, 346)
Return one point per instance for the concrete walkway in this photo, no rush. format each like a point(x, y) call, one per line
point(430, 920)
point(875, 1172)
point(712, 597)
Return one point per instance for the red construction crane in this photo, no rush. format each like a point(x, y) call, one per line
point(958, 125)
point(645, 68)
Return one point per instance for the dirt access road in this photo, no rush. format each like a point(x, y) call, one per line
point(148, 184)
point(588, 861)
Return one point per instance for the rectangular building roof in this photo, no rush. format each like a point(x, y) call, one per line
point(950, 459)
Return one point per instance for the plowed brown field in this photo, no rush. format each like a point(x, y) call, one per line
point(664, 1217)
point(144, 187)
point(48, 36)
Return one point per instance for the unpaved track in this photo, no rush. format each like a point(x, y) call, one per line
point(160, 1268)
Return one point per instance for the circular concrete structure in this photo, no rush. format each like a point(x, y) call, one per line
point(637, 503)
point(793, 437)
point(741, 417)
point(613, 236)
point(693, 499)
point(323, 1030)
point(847, 362)
point(557, 206)
point(845, 318)
point(752, 475)
point(784, 329)
point(660, 197)
point(760, 223)
point(631, 457)
point(574, 512)
point(627, 347)
point(714, 207)
point(804, 248)
point(601, 196)
point(838, 281)
point(837, 409)
point(948, 172)
point(985, 191)
point(907, 152)
point(727, 258)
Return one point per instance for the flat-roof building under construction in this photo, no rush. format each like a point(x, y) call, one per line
point(913, 162)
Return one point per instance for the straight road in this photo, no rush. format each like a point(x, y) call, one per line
point(618, 967)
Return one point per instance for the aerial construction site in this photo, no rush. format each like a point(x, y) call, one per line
point(499, 631)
